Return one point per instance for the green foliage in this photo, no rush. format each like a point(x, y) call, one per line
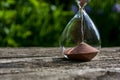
point(41, 22)
point(31, 23)
point(107, 20)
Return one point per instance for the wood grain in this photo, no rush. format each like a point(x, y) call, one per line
point(49, 64)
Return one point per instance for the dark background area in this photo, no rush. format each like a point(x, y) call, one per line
point(26, 23)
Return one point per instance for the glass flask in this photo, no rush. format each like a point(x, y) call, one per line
point(80, 39)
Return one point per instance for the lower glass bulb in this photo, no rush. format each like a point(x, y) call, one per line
point(80, 39)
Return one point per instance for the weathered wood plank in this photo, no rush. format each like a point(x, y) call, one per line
point(49, 64)
point(28, 52)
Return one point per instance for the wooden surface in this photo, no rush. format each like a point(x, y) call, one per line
point(49, 64)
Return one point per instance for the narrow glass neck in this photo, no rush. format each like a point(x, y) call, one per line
point(81, 3)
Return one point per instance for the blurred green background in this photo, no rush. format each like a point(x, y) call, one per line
point(40, 22)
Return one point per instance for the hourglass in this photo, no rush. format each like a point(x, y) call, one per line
point(80, 39)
